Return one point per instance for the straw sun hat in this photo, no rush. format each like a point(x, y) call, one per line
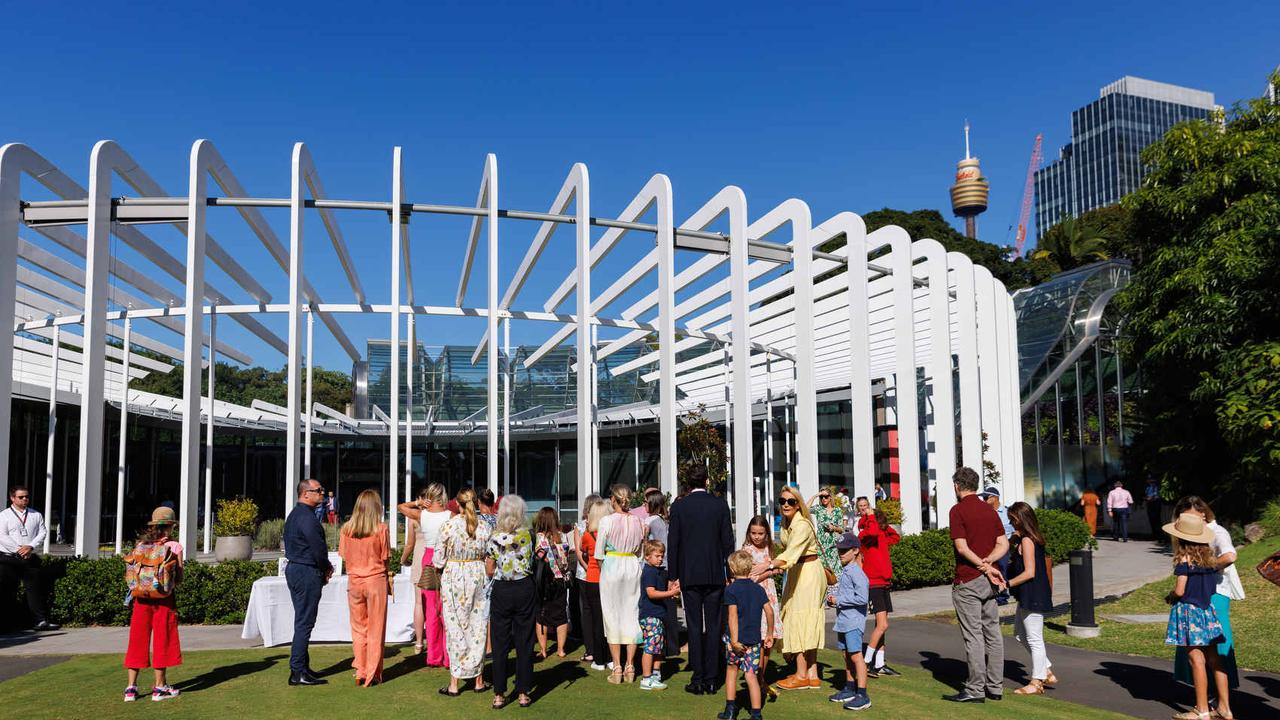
point(1190, 527)
point(163, 516)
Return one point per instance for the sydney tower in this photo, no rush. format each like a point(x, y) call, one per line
point(970, 191)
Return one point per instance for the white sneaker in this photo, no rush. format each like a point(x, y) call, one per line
point(598, 666)
point(652, 683)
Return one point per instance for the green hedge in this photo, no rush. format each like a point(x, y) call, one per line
point(928, 558)
point(92, 592)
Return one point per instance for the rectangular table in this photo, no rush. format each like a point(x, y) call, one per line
point(270, 612)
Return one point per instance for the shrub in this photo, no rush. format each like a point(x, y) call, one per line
point(1270, 518)
point(236, 517)
point(91, 592)
point(270, 534)
point(924, 559)
point(331, 537)
point(1063, 532)
point(218, 594)
point(892, 510)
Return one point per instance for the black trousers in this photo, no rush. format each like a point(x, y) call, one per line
point(305, 584)
point(703, 614)
point(1120, 524)
point(511, 610)
point(31, 572)
point(593, 622)
point(670, 629)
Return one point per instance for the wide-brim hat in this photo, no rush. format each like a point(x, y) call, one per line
point(163, 516)
point(1190, 527)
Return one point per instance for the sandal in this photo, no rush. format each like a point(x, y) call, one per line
point(1051, 680)
point(1032, 688)
point(630, 674)
point(484, 687)
point(615, 677)
point(450, 693)
point(525, 701)
point(1192, 714)
point(499, 702)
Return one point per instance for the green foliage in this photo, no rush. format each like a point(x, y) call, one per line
point(1201, 309)
point(892, 510)
point(1270, 518)
point(238, 516)
point(270, 535)
point(331, 533)
point(92, 592)
point(1070, 244)
point(1063, 532)
point(243, 385)
point(990, 475)
point(922, 560)
point(699, 442)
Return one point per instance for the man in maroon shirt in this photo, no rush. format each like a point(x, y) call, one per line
point(979, 541)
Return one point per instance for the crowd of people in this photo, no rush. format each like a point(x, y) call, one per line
point(490, 582)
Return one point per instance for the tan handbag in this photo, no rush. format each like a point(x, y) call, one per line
point(429, 579)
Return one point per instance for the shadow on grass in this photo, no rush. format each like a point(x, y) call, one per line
point(1157, 685)
point(547, 677)
point(948, 671)
point(1270, 686)
point(219, 675)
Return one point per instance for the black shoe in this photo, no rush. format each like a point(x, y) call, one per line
point(961, 697)
point(303, 678)
point(886, 671)
point(695, 689)
point(313, 675)
point(730, 712)
point(46, 625)
point(995, 696)
point(710, 689)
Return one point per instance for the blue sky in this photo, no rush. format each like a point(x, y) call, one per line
point(848, 106)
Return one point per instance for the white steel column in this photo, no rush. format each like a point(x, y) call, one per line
point(122, 455)
point(908, 415)
point(860, 405)
point(53, 426)
point(491, 322)
point(208, 437)
point(1014, 413)
point(508, 485)
point(967, 361)
point(595, 413)
point(1000, 353)
point(397, 239)
point(106, 156)
point(203, 156)
point(293, 366)
point(806, 388)
point(739, 289)
point(666, 337)
point(311, 331)
point(988, 370)
point(580, 179)
point(408, 414)
point(944, 409)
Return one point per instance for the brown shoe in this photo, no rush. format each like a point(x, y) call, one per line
point(815, 684)
point(793, 683)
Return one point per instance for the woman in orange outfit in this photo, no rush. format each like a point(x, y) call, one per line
point(1090, 502)
point(364, 547)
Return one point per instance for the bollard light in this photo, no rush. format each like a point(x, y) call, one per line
point(1082, 622)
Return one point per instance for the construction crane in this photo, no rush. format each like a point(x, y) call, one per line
point(1028, 194)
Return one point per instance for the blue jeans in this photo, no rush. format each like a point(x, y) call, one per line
point(1120, 524)
point(305, 584)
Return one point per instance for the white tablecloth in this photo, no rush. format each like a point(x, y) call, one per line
point(270, 612)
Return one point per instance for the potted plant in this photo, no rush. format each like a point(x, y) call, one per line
point(233, 527)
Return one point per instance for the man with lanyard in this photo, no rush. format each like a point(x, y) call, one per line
point(991, 496)
point(21, 531)
point(306, 574)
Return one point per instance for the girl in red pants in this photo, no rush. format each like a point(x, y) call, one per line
point(155, 620)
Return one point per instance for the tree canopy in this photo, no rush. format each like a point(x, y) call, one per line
point(243, 385)
point(1202, 323)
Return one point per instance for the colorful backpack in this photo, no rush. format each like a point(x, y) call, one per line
point(151, 571)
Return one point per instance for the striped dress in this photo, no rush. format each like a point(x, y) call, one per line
point(619, 552)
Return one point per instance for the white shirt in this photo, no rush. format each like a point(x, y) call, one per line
point(430, 524)
point(1228, 578)
point(18, 528)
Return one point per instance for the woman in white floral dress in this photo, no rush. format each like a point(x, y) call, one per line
point(618, 546)
point(460, 553)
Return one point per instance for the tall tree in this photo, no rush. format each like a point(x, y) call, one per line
point(1202, 321)
point(1070, 244)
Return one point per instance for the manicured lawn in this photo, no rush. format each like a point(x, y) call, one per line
point(243, 684)
point(1255, 621)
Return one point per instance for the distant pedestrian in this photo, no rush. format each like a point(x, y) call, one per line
point(1153, 505)
point(1119, 505)
point(307, 573)
point(1089, 502)
point(618, 547)
point(22, 534)
point(331, 509)
point(850, 601)
point(744, 638)
point(153, 570)
point(880, 494)
point(979, 541)
point(1031, 582)
point(364, 546)
point(1228, 590)
point(513, 602)
point(700, 539)
point(1193, 623)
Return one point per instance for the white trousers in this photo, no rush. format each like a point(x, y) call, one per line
point(1028, 628)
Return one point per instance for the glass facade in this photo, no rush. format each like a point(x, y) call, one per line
point(1102, 162)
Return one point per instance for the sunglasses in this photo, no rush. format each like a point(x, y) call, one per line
point(788, 502)
point(318, 492)
point(824, 496)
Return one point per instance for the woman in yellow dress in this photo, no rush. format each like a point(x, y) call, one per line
point(803, 618)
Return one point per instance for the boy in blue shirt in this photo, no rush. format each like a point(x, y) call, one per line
point(746, 600)
point(654, 589)
point(850, 601)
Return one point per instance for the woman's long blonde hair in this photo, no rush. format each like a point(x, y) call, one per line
point(1197, 554)
point(466, 500)
point(434, 494)
point(801, 507)
point(599, 511)
point(366, 517)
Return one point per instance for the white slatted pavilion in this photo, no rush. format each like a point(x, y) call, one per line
point(881, 310)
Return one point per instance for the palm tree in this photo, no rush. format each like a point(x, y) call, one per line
point(1070, 244)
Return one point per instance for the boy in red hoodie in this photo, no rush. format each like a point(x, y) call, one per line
point(876, 536)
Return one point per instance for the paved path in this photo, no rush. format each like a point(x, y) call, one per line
point(1118, 568)
point(1139, 686)
point(91, 640)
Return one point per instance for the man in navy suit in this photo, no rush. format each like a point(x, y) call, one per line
point(699, 542)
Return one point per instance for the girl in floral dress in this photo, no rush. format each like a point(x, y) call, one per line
point(460, 553)
point(759, 542)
